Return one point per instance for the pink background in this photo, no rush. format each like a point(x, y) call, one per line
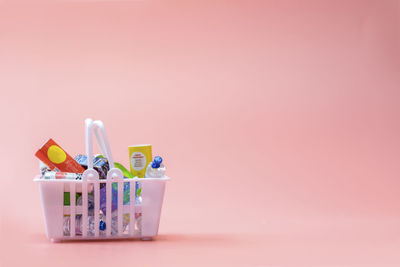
point(278, 121)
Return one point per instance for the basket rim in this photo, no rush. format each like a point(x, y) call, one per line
point(40, 180)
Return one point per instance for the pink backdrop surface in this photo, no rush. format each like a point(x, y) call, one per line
point(278, 122)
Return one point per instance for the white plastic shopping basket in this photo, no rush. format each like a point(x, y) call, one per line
point(129, 219)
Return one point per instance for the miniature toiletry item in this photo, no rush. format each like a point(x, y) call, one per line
point(62, 175)
point(155, 169)
point(125, 172)
point(100, 164)
point(67, 198)
point(43, 168)
point(102, 225)
point(114, 196)
point(82, 160)
point(57, 159)
point(140, 156)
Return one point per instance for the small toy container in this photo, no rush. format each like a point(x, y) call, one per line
point(125, 215)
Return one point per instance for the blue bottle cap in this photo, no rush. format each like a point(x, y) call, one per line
point(156, 162)
point(102, 226)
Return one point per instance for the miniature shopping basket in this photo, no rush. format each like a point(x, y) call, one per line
point(129, 218)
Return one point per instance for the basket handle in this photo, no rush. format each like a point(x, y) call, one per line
point(102, 139)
